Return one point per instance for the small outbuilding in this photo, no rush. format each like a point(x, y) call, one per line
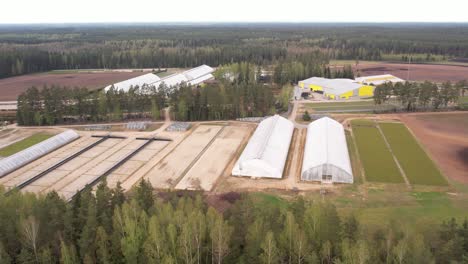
point(326, 157)
point(266, 153)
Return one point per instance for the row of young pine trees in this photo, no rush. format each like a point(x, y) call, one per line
point(107, 226)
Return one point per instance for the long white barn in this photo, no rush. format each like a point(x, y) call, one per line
point(266, 153)
point(326, 157)
point(133, 82)
point(193, 76)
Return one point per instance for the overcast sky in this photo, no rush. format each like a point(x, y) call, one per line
point(60, 11)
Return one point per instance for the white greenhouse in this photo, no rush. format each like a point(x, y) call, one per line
point(326, 157)
point(32, 153)
point(266, 153)
point(139, 81)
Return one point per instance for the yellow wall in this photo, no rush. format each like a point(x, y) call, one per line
point(315, 87)
point(346, 95)
point(366, 90)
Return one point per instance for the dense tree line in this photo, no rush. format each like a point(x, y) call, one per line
point(34, 49)
point(109, 227)
point(58, 105)
point(426, 95)
point(241, 93)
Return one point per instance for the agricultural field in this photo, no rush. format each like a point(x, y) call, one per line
point(23, 144)
point(11, 87)
point(376, 159)
point(418, 167)
point(367, 106)
point(443, 136)
point(415, 72)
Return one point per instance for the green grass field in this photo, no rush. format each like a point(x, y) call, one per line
point(418, 167)
point(23, 144)
point(376, 159)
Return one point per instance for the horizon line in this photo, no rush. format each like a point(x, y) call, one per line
point(234, 22)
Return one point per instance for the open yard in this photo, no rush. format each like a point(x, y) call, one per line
point(418, 167)
point(172, 167)
point(11, 87)
point(23, 144)
point(206, 171)
point(375, 157)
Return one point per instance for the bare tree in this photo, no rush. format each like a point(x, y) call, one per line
point(30, 232)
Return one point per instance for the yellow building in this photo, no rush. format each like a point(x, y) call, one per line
point(336, 89)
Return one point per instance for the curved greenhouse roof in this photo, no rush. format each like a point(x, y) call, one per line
point(326, 157)
point(266, 153)
point(25, 156)
point(139, 81)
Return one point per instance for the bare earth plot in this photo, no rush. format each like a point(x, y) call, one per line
point(169, 170)
point(444, 136)
point(117, 150)
point(74, 170)
point(133, 164)
point(11, 87)
point(30, 170)
point(206, 171)
point(417, 72)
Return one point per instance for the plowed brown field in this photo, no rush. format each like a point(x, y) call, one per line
point(11, 87)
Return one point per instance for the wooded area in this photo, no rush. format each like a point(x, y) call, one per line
point(29, 49)
point(108, 227)
point(413, 96)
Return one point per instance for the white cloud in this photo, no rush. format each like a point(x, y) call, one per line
point(58, 11)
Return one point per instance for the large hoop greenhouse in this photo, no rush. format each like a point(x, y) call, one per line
point(32, 153)
point(326, 157)
point(266, 153)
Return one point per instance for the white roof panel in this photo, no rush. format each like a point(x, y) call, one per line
point(379, 79)
point(198, 72)
point(333, 86)
point(201, 79)
point(137, 81)
point(34, 152)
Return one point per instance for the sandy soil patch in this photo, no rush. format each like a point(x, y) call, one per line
point(133, 164)
point(67, 174)
point(206, 171)
point(169, 170)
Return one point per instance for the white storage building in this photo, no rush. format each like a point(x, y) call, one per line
point(266, 153)
point(34, 152)
point(379, 79)
point(326, 157)
point(139, 81)
point(193, 76)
